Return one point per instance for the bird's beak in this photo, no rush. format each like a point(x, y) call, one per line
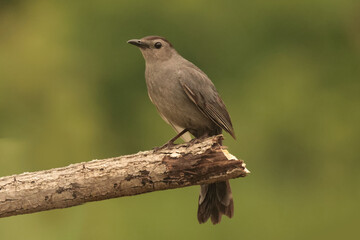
point(138, 43)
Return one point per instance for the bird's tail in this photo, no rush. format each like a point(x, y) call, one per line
point(215, 200)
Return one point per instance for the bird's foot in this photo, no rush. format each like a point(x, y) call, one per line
point(197, 140)
point(169, 145)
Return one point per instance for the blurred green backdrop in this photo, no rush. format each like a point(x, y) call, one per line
point(72, 90)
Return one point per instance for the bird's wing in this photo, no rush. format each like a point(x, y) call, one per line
point(207, 99)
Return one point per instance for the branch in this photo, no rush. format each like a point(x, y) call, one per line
point(197, 162)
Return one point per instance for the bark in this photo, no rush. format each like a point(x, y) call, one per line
point(193, 163)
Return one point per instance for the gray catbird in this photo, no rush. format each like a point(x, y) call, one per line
point(187, 99)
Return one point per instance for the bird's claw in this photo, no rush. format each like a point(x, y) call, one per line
point(197, 140)
point(166, 145)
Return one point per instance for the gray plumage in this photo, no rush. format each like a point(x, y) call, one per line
point(187, 99)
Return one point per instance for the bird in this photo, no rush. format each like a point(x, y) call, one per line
point(187, 99)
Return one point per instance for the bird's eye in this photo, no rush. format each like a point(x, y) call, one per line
point(158, 45)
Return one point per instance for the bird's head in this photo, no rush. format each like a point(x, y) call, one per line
point(154, 48)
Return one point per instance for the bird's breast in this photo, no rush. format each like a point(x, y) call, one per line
point(164, 87)
point(167, 94)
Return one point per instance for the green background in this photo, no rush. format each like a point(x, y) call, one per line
point(72, 90)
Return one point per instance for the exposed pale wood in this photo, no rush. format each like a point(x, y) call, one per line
point(199, 162)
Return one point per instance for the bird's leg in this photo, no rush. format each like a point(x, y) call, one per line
point(171, 143)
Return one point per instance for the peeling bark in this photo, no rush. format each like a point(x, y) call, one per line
point(193, 163)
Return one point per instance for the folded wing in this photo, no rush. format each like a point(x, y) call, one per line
point(206, 98)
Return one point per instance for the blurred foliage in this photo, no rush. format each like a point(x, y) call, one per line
point(72, 90)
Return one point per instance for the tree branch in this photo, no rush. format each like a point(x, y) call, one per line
point(193, 163)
